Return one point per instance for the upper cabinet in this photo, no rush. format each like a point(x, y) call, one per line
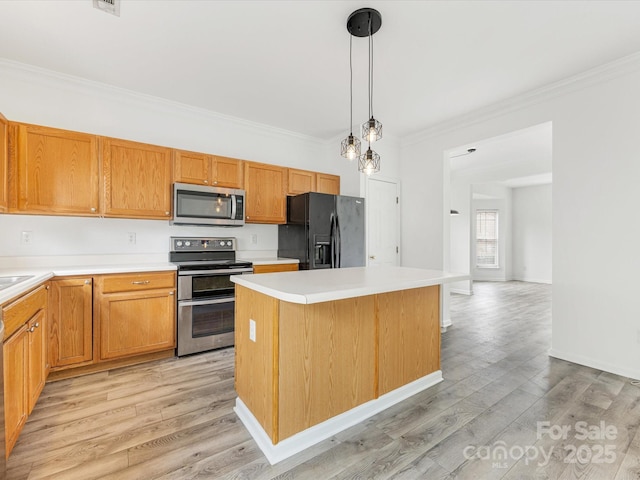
point(137, 179)
point(4, 163)
point(203, 169)
point(303, 181)
point(328, 183)
point(266, 187)
point(53, 171)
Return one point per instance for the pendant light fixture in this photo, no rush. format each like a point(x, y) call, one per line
point(364, 23)
point(350, 148)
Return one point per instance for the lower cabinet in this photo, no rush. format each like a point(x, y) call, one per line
point(25, 360)
point(136, 313)
point(71, 322)
point(275, 267)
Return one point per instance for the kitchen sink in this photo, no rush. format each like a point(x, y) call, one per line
point(6, 282)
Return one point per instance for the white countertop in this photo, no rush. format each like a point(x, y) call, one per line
point(42, 274)
point(315, 286)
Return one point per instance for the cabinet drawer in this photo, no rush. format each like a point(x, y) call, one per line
point(278, 267)
point(137, 281)
point(17, 313)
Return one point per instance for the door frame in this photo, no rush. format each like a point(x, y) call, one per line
point(398, 226)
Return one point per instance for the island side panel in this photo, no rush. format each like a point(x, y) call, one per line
point(327, 360)
point(409, 330)
point(256, 373)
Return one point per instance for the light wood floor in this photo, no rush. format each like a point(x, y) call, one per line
point(173, 419)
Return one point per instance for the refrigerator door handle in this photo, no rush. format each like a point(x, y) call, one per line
point(338, 242)
point(332, 236)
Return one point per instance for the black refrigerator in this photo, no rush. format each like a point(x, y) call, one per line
point(323, 231)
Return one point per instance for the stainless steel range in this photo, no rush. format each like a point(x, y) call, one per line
point(205, 291)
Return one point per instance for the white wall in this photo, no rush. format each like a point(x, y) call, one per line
point(460, 239)
point(41, 97)
point(531, 233)
point(595, 171)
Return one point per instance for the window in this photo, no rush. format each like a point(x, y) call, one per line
point(487, 239)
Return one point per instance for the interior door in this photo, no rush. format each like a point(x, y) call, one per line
point(383, 220)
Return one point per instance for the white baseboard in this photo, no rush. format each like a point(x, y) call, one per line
point(446, 323)
point(305, 439)
point(533, 280)
point(593, 363)
point(461, 291)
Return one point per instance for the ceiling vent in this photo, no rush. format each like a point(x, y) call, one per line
point(109, 6)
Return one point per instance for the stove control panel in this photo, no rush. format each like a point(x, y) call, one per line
point(202, 244)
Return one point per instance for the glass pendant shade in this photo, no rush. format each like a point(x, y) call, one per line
point(369, 162)
point(350, 148)
point(371, 130)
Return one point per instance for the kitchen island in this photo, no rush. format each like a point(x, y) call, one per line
point(318, 351)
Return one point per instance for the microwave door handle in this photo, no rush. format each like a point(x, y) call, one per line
point(233, 207)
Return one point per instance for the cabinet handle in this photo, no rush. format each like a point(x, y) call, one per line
point(87, 282)
point(37, 325)
point(93, 209)
point(32, 329)
point(215, 183)
point(172, 293)
point(167, 213)
point(141, 282)
point(206, 181)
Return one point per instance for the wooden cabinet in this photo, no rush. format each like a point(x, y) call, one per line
point(137, 313)
point(4, 164)
point(203, 169)
point(25, 363)
point(275, 267)
point(266, 187)
point(302, 181)
point(326, 183)
point(38, 364)
point(15, 351)
point(56, 171)
point(137, 179)
point(71, 322)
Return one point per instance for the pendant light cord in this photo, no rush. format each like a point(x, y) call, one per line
point(350, 85)
point(370, 70)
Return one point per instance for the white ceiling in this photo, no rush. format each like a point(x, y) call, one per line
point(285, 63)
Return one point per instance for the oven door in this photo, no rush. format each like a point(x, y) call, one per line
point(205, 324)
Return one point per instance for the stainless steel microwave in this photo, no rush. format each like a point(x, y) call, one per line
point(202, 205)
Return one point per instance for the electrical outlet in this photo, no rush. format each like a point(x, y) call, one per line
point(252, 330)
point(131, 236)
point(26, 238)
point(254, 239)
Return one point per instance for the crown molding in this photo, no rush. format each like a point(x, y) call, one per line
point(607, 71)
point(70, 82)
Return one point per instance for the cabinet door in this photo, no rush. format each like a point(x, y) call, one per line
point(228, 172)
point(132, 323)
point(266, 187)
point(277, 267)
point(137, 179)
point(328, 183)
point(192, 167)
point(301, 181)
point(4, 164)
point(57, 171)
point(37, 358)
point(15, 351)
point(71, 322)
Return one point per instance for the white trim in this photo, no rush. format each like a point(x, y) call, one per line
point(446, 323)
point(590, 362)
point(305, 439)
point(533, 280)
point(462, 291)
point(617, 68)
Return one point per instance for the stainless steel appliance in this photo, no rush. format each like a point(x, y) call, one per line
point(202, 205)
point(323, 231)
point(205, 291)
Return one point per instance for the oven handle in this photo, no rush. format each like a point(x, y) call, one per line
point(215, 272)
point(192, 303)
